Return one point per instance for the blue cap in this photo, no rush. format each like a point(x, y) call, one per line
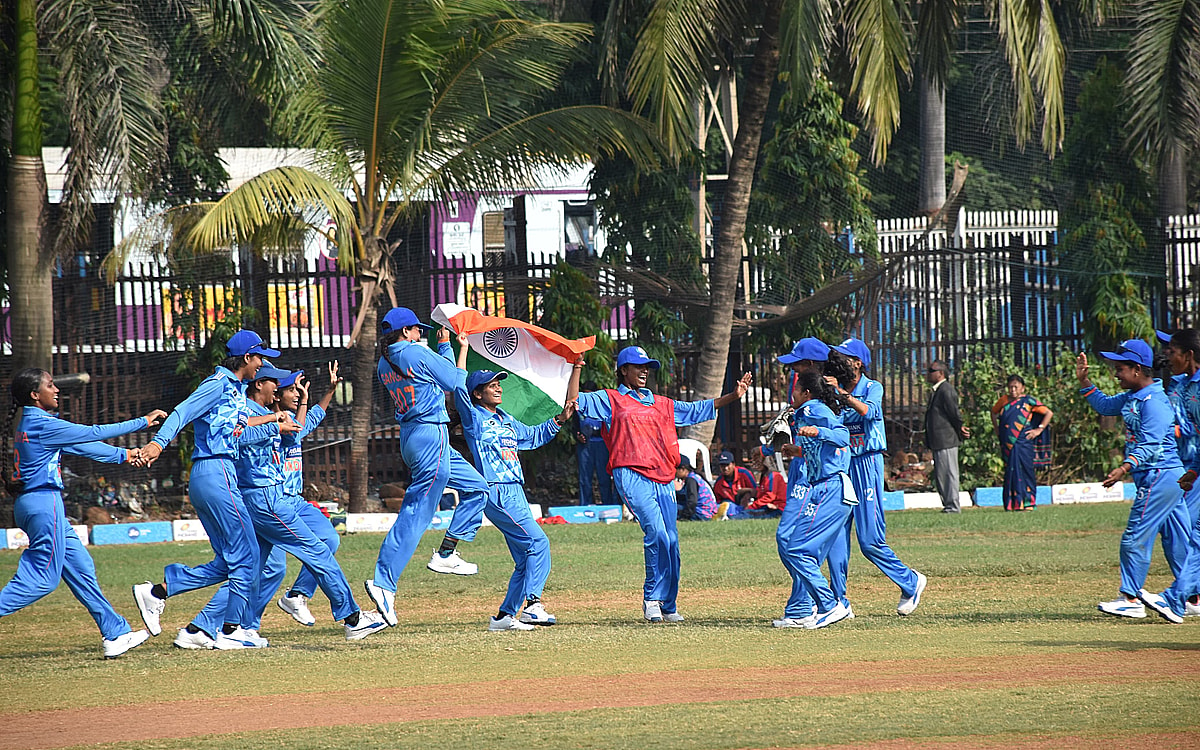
point(724, 457)
point(269, 370)
point(399, 318)
point(1163, 336)
point(248, 342)
point(483, 377)
point(290, 379)
point(636, 355)
point(855, 348)
point(1133, 350)
point(807, 348)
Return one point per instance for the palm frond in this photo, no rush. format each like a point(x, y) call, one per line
point(676, 46)
point(268, 39)
point(937, 29)
point(805, 30)
point(111, 77)
point(514, 154)
point(271, 205)
point(1048, 65)
point(878, 49)
point(1164, 75)
point(1036, 57)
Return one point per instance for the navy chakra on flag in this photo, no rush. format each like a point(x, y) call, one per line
point(501, 342)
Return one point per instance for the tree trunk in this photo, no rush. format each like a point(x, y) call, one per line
point(1172, 181)
point(31, 296)
point(727, 254)
point(362, 407)
point(932, 193)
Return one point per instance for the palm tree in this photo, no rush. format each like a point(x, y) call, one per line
point(410, 102)
point(678, 42)
point(1163, 83)
point(111, 61)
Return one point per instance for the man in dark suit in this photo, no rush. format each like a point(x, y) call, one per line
point(944, 431)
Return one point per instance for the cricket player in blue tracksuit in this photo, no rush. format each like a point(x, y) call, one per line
point(798, 609)
point(496, 438)
point(1183, 356)
point(868, 441)
point(639, 429)
point(218, 409)
point(591, 458)
point(292, 397)
point(55, 552)
point(1153, 461)
point(277, 524)
point(824, 509)
point(417, 380)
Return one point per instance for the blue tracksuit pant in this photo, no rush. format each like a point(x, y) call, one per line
point(218, 502)
point(508, 508)
point(799, 604)
point(654, 507)
point(1158, 502)
point(866, 474)
point(1173, 544)
point(311, 515)
point(818, 528)
point(279, 526)
point(55, 553)
point(592, 460)
point(467, 516)
point(435, 466)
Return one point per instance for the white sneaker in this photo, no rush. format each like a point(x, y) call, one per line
point(908, 604)
point(1191, 610)
point(536, 614)
point(849, 611)
point(672, 617)
point(149, 605)
point(1158, 603)
point(239, 638)
point(385, 601)
point(792, 622)
point(198, 640)
point(508, 622)
point(368, 622)
point(1122, 607)
point(837, 614)
point(453, 564)
point(122, 643)
point(652, 610)
point(297, 607)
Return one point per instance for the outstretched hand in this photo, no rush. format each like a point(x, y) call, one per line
point(1081, 369)
point(302, 387)
point(155, 417)
point(567, 412)
point(334, 378)
point(148, 454)
point(743, 384)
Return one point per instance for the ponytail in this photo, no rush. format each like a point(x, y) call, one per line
point(840, 368)
point(23, 383)
point(815, 384)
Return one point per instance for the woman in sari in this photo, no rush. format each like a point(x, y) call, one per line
point(1021, 421)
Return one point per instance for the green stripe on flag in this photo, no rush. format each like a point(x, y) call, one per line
point(522, 399)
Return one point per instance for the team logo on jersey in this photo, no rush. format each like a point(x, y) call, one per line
point(501, 342)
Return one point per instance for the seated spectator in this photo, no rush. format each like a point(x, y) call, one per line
point(695, 497)
point(736, 484)
point(771, 494)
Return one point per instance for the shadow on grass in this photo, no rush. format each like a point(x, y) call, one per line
point(1113, 645)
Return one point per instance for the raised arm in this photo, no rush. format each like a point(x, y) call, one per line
point(738, 391)
point(442, 371)
point(443, 344)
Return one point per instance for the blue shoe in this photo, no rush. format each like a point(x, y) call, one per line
point(1159, 604)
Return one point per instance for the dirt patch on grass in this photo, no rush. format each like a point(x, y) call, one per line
point(153, 720)
point(1157, 740)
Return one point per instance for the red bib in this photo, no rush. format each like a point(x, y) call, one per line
point(642, 437)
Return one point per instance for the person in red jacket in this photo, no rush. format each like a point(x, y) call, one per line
point(736, 484)
point(771, 494)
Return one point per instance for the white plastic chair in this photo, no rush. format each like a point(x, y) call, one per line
point(694, 450)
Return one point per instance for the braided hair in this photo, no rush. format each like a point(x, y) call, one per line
point(23, 383)
point(815, 384)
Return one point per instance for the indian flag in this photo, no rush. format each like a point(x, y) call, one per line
point(538, 362)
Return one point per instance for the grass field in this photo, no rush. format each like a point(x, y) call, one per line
point(1006, 650)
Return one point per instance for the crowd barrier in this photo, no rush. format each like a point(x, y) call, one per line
point(190, 530)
